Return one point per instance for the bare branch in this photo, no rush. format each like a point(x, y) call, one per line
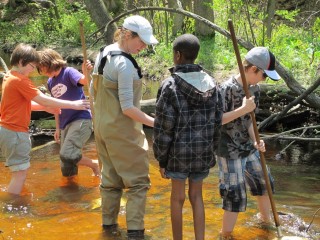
point(273, 118)
point(279, 135)
point(4, 65)
point(300, 139)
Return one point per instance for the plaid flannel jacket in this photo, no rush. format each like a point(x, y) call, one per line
point(187, 124)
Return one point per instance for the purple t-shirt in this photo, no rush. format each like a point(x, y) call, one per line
point(66, 86)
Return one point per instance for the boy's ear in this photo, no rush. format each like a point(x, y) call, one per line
point(178, 55)
point(255, 68)
point(252, 69)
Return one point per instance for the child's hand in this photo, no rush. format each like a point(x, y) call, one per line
point(81, 104)
point(248, 104)
point(163, 174)
point(57, 136)
point(261, 147)
point(87, 67)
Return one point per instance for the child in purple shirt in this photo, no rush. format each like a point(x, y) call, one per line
point(75, 126)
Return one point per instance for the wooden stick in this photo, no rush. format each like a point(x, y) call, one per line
point(254, 123)
point(84, 52)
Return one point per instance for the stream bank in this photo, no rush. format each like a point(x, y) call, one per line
point(274, 97)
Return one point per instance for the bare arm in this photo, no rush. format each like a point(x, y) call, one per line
point(248, 105)
point(251, 133)
point(139, 116)
point(57, 132)
point(49, 102)
point(36, 107)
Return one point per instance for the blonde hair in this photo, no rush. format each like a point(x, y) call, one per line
point(119, 35)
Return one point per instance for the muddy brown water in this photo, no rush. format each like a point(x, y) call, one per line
point(51, 208)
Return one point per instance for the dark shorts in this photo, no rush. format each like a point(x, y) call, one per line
point(193, 176)
point(235, 175)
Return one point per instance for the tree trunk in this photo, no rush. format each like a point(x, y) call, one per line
point(249, 22)
point(204, 8)
point(271, 7)
point(176, 18)
point(130, 4)
point(114, 6)
point(101, 16)
point(12, 3)
point(56, 13)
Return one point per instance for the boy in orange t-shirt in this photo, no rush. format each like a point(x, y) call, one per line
point(19, 98)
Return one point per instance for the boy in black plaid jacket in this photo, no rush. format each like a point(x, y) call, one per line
point(186, 131)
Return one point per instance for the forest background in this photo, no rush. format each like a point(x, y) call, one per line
point(290, 29)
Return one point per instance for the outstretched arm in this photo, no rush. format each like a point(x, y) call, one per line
point(37, 107)
point(49, 102)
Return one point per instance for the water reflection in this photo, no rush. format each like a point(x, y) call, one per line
point(293, 153)
point(53, 207)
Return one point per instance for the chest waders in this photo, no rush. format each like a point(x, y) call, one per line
point(122, 149)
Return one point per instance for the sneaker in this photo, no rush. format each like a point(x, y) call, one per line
point(135, 234)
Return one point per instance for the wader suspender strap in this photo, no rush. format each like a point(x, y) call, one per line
point(103, 60)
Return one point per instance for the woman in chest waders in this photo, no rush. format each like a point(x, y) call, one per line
point(121, 143)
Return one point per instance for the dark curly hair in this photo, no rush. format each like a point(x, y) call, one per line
point(188, 45)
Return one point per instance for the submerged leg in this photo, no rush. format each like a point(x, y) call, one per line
point(228, 222)
point(17, 181)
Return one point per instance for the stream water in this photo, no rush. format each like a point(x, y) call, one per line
point(52, 208)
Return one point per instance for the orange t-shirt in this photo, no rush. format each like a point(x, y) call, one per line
point(17, 93)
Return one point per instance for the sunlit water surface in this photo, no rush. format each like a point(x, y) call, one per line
point(52, 208)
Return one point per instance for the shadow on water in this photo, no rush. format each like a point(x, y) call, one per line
point(53, 207)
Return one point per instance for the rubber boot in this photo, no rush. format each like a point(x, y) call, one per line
point(111, 230)
point(135, 234)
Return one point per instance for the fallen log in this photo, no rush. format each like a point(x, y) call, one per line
point(299, 100)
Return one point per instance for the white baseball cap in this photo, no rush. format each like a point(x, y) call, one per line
point(142, 27)
point(265, 60)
